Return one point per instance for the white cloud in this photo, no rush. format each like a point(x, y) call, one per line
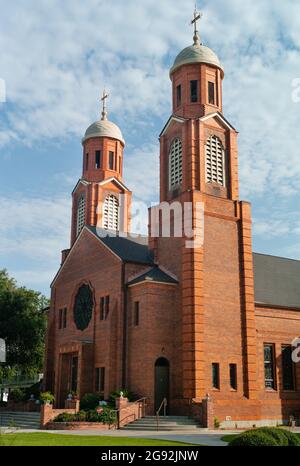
point(55, 70)
point(32, 233)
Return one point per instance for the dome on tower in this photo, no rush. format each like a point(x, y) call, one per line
point(196, 53)
point(103, 128)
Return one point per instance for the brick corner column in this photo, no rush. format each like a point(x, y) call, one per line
point(249, 326)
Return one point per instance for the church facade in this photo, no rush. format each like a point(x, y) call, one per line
point(190, 324)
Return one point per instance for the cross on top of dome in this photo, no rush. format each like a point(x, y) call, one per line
point(197, 16)
point(104, 108)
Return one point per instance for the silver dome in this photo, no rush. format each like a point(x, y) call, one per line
point(196, 53)
point(103, 128)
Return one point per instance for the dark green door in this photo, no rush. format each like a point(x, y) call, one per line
point(162, 374)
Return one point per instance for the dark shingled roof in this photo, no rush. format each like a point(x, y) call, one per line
point(156, 275)
point(276, 280)
point(129, 249)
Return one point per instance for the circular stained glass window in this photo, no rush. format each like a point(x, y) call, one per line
point(83, 307)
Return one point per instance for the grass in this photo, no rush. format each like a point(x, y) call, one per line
point(45, 439)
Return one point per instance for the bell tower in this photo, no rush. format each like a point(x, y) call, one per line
point(199, 165)
point(100, 197)
point(198, 146)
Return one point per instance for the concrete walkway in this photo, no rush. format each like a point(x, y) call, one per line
point(201, 437)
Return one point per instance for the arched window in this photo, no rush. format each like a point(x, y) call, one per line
point(80, 215)
point(214, 161)
point(111, 213)
point(175, 164)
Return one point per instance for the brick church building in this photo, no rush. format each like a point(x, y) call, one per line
point(210, 323)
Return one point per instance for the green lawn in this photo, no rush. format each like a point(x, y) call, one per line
point(45, 439)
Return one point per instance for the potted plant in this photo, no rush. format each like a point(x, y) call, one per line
point(47, 398)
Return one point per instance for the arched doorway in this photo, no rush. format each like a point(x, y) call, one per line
point(161, 383)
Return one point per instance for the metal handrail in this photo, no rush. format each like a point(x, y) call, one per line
point(163, 404)
point(117, 412)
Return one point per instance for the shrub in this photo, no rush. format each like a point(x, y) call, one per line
point(253, 438)
point(277, 434)
point(108, 416)
point(17, 395)
point(266, 436)
point(65, 417)
point(293, 440)
point(90, 401)
point(47, 397)
point(216, 423)
point(92, 416)
point(81, 416)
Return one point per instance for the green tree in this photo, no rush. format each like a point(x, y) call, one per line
point(22, 325)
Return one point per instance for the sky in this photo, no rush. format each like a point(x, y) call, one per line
point(55, 59)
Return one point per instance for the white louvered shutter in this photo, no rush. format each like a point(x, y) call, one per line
point(80, 215)
point(175, 164)
point(111, 213)
point(214, 161)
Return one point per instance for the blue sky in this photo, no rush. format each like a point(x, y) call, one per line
point(56, 57)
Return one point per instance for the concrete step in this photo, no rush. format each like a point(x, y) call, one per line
point(165, 428)
point(166, 423)
point(20, 420)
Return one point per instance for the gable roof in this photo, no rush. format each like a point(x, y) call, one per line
point(172, 118)
point(114, 180)
point(80, 181)
point(132, 248)
point(220, 117)
point(154, 275)
point(276, 281)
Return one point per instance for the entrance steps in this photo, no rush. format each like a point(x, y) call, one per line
point(20, 420)
point(166, 423)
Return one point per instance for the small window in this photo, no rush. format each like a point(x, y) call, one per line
point(288, 374)
point(64, 318)
point(269, 366)
point(98, 159)
point(106, 312)
point(232, 376)
point(194, 91)
point(104, 307)
point(111, 162)
point(136, 317)
point(102, 302)
point(211, 93)
point(215, 375)
point(86, 161)
point(100, 379)
point(60, 318)
point(178, 95)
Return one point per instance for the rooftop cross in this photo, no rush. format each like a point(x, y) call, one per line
point(104, 110)
point(197, 16)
